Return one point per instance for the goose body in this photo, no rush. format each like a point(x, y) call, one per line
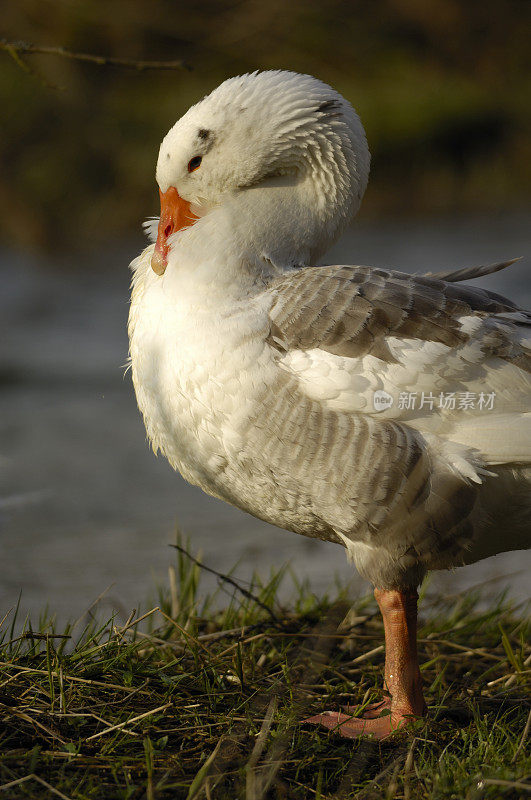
point(385, 412)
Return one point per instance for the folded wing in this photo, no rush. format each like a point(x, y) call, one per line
point(454, 359)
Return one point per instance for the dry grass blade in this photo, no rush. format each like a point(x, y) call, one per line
point(198, 783)
point(74, 678)
point(526, 787)
point(11, 785)
point(184, 632)
point(257, 750)
point(132, 624)
point(28, 718)
point(523, 739)
point(391, 769)
point(408, 768)
point(514, 677)
point(368, 655)
point(129, 722)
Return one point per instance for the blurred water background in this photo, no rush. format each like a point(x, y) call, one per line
point(442, 88)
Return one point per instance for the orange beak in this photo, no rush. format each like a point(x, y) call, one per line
point(175, 214)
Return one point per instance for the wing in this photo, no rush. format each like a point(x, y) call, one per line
point(348, 332)
point(400, 478)
point(469, 273)
point(351, 311)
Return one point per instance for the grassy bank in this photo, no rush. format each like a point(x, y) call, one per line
point(190, 701)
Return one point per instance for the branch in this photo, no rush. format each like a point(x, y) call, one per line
point(228, 579)
point(17, 49)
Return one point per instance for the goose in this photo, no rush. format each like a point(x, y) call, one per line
point(383, 411)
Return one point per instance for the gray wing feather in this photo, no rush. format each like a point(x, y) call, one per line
point(351, 310)
point(469, 273)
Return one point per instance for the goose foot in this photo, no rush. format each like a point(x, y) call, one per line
point(402, 676)
point(371, 710)
point(352, 727)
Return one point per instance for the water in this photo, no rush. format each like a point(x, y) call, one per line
point(85, 505)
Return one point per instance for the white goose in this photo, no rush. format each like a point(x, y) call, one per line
point(256, 373)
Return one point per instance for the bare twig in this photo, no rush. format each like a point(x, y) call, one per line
point(228, 579)
point(18, 49)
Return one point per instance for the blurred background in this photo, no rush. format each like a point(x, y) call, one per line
point(443, 90)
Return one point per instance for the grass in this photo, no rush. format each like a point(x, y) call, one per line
point(190, 700)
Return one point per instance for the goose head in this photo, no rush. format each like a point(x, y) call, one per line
point(276, 159)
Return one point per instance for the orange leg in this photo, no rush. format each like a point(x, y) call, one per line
point(402, 674)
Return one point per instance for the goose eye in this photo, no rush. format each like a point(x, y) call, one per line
point(194, 163)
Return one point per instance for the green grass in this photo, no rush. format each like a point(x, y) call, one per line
point(193, 700)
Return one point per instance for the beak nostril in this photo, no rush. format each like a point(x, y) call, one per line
point(167, 230)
